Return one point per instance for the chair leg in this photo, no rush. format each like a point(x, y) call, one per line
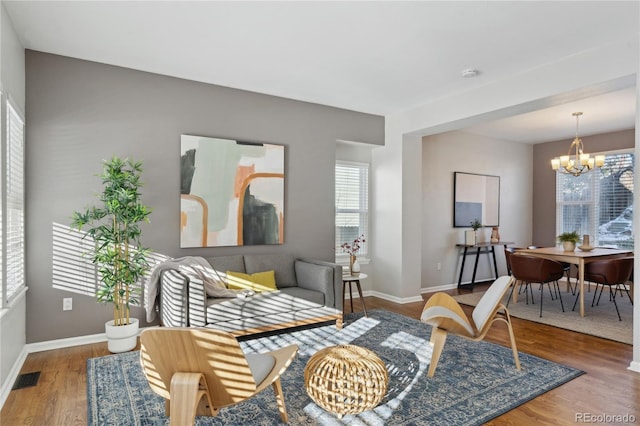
point(438, 338)
point(187, 391)
point(512, 337)
point(559, 294)
point(542, 297)
point(277, 389)
point(615, 303)
point(595, 293)
point(576, 301)
point(628, 294)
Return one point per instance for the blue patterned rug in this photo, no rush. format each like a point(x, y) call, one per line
point(474, 382)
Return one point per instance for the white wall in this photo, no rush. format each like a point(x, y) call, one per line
point(458, 151)
point(397, 212)
point(13, 318)
point(361, 153)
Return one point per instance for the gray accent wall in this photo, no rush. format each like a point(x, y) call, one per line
point(80, 112)
point(544, 178)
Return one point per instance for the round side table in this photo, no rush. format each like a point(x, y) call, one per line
point(346, 379)
point(348, 280)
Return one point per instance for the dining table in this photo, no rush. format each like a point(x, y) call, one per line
point(579, 258)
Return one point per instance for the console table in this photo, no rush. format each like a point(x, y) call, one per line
point(478, 249)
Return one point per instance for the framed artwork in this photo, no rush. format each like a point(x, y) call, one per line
point(231, 192)
point(475, 197)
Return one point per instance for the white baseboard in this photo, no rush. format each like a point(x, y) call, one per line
point(436, 289)
point(634, 366)
point(13, 375)
point(400, 300)
point(65, 343)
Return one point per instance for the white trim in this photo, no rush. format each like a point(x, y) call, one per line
point(13, 375)
point(65, 343)
point(443, 287)
point(634, 366)
point(395, 299)
point(14, 300)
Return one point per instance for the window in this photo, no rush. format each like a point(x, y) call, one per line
point(599, 203)
point(352, 205)
point(12, 205)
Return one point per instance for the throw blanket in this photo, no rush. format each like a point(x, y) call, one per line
point(192, 267)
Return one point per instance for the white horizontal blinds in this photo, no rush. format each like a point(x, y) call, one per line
point(599, 203)
point(352, 204)
point(14, 232)
point(3, 153)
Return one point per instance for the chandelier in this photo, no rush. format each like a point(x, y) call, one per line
point(576, 162)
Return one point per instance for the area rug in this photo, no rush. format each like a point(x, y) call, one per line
point(600, 320)
point(474, 382)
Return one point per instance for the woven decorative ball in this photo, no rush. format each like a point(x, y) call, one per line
point(346, 379)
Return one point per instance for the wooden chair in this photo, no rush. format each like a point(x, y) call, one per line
point(446, 316)
point(198, 371)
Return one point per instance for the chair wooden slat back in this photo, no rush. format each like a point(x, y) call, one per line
point(216, 354)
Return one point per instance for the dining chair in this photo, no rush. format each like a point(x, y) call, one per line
point(198, 371)
point(446, 315)
point(614, 273)
point(508, 253)
point(567, 270)
point(530, 270)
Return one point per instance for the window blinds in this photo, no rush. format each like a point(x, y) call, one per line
point(352, 204)
point(13, 223)
point(599, 203)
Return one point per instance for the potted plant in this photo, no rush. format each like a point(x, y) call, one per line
point(120, 259)
point(471, 237)
point(352, 249)
point(569, 240)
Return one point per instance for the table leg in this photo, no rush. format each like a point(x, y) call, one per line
point(581, 279)
point(464, 257)
point(350, 296)
point(495, 264)
point(344, 287)
point(364, 308)
point(475, 268)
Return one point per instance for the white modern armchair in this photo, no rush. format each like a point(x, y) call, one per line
point(446, 316)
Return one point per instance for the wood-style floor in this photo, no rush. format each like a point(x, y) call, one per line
point(607, 388)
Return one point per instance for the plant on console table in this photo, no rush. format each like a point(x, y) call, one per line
point(569, 240)
point(475, 225)
point(121, 261)
point(352, 249)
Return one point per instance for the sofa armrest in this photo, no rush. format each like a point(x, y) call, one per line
point(182, 301)
point(325, 277)
point(173, 299)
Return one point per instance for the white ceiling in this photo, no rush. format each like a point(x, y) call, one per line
point(378, 57)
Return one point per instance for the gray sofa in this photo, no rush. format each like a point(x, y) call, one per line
point(309, 291)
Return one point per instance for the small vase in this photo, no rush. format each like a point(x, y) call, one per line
point(495, 235)
point(354, 266)
point(568, 245)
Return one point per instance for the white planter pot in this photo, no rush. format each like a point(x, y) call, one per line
point(122, 338)
point(568, 245)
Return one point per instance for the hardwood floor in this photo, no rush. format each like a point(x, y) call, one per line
point(607, 388)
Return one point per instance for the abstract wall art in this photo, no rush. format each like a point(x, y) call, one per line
point(475, 197)
point(231, 192)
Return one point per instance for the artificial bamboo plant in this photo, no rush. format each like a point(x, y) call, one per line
point(115, 228)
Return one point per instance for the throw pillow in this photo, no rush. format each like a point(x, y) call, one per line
point(258, 282)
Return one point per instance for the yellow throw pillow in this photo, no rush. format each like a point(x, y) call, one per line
point(258, 282)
